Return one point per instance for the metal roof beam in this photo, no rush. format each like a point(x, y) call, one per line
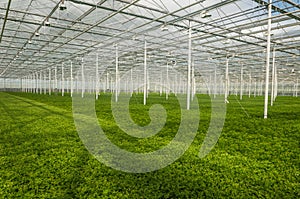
point(5, 19)
point(275, 8)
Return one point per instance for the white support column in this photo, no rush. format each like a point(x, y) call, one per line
point(226, 81)
point(23, 84)
point(235, 86)
point(67, 87)
point(209, 85)
point(215, 83)
point(26, 84)
point(176, 84)
point(107, 81)
point(276, 84)
point(193, 79)
point(71, 79)
point(167, 82)
point(76, 78)
point(62, 80)
point(131, 83)
point(148, 83)
point(111, 85)
point(97, 77)
point(161, 84)
point(117, 75)
point(40, 83)
point(255, 88)
point(188, 98)
point(145, 73)
point(296, 89)
point(242, 83)
point(180, 84)
point(45, 84)
point(82, 79)
point(250, 85)
point(30, 84)
point(268, 59)
point(34, 82)
point(49, 84)
point(261, 87)
point(273, 77)
point(55, 79)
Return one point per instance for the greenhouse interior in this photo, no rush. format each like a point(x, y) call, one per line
point(150, 99)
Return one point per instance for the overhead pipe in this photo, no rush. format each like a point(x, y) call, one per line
point(268, 59)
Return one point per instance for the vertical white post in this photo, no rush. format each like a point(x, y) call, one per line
point(215, 83)
point(250, 85)
point(161, 84)
point(261, 87)
point(111, 85)
point(71, 79)
point(297, 88)
point(55, 78)
point(31, 84)
point(45, 84)
point(276, 84)
point(40, 83)
point(35, 82)
point(67, 87)
point(62, 80)
point(148, 83)
point(167, 82)
point(241, 91)
point(255, 88)
point(145, 73)
point(273, 77)
point(82, 79)
point(76, 78)
point(117, 75)
point(209, 85)
point(226, 80)
point(131, 82)
point(193, 79)
point(107, 81)
point(26, 84)
point(176, 84)
point(188, 97)
point(97, 77)
point(268, 59)
point(49, 90)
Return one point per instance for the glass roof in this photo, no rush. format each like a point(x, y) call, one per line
point(38, 35)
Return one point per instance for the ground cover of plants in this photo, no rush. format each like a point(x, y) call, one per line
point(42, 156)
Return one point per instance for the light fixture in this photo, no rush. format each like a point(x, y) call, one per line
point(47, 23)
point(62, 5)
point(227, 41)
point(174, 62)
point(204, 14)
point(164, 27)
point(266, 34)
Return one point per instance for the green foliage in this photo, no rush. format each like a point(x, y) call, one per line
point(41, 155)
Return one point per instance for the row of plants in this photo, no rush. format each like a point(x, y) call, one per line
point(42, 155)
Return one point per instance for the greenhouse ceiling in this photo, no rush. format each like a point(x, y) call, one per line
point(38, 35)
